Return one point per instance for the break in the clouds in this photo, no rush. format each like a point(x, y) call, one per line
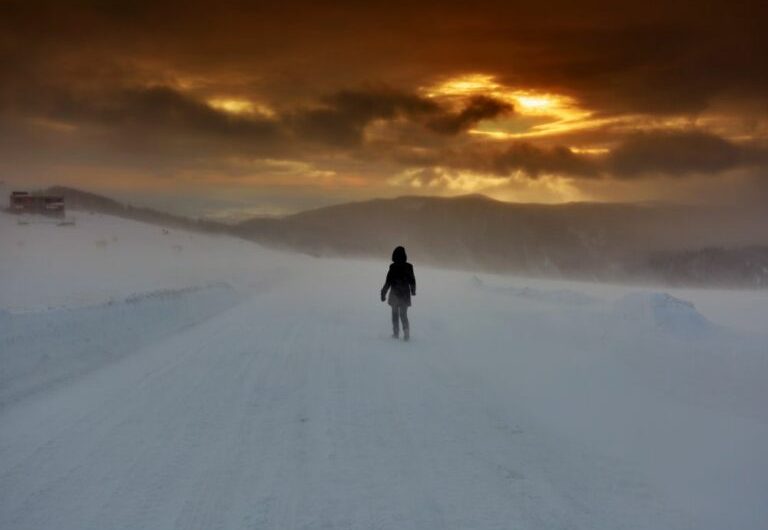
point(523, 101)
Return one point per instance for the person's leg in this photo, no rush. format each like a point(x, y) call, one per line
point(406, 325)
point(395, 322)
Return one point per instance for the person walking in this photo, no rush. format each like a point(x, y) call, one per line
point(401, 284)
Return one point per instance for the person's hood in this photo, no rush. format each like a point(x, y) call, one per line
point(399, 256)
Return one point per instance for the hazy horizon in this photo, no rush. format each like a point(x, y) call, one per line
point(205, 208)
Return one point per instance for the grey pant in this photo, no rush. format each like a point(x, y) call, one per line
point(399, 312)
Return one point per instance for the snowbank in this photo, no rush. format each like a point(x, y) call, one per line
point(663, 312)
point(40, 349)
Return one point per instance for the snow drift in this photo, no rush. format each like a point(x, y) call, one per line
point(662, 311)
point(41, 349)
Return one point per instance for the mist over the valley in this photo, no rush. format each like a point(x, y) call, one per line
point(698, 245)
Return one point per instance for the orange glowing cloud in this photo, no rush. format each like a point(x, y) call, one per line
point(543, 113)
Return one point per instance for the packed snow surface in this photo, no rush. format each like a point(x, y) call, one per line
point(162, 379)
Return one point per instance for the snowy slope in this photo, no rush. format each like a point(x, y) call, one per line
point(518, 404)
point(104, 258)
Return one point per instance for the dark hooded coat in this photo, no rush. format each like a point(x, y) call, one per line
point(401, 283)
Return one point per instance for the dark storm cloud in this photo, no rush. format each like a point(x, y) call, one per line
point(162, 109)
point(654, 153)
point(477, 109)
point(343, 117)
point(166, 114)
point(148, 120)
point(522, 157)
point(619, 57)
point(676, 153)
point(130, 127)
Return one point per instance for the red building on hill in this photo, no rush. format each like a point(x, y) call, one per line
point(25, 202)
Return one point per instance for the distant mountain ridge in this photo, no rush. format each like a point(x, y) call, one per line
point(597, 241)
point(82, 200)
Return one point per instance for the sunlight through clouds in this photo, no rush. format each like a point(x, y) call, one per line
point(537, 113)
point(343, 99)
point(240, 106)
point(515, 187)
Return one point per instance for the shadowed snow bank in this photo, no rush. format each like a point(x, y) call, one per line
point(39, 349)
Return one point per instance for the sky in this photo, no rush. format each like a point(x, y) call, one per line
point(228, 110)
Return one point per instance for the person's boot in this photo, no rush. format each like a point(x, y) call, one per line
point(406, 334)
point(396, 333)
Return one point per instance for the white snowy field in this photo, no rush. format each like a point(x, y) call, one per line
point(153, 380)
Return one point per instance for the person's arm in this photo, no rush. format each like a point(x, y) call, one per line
point(412, 282)
point(387, 285)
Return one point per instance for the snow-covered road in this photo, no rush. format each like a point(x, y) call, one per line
point(270, 416)
point(530, 408)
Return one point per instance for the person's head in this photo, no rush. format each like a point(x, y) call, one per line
point(399, 256)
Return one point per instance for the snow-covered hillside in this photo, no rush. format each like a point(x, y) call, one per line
point(103, 258)
point(176, 380)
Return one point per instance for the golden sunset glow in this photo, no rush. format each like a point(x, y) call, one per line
point(239, 106)
point(346, 99)
point(557, 113)
point(590, 150)
point(233, 106)
point(465, 85)
point(446, 178)
point(517, 187)
point(525, 101)
point(534, 103)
